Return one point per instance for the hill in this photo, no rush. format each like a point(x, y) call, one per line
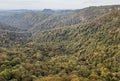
point(12, 38)
point(23, 20)
point(8, 27)
point(34, 21)
point(90, 51)
point(73, 17)
point(81, 52)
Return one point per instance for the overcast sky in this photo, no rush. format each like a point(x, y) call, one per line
point(53, 4)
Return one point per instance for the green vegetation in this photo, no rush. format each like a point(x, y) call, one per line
point(10, 38)
point(34, 21)
point(88, 51)
point(8, 27)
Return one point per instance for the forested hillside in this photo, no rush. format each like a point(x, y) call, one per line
point(74, 17)
point(10, 38)
point(88, 50)
point(24, 20)
point(47, 19)
point(8, 27)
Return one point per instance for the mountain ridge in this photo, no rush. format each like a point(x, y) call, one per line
point(87, 51)
point(33, 21)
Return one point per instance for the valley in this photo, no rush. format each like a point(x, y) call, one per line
point(60, 45)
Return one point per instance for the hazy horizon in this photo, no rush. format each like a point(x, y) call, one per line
point(53, 4)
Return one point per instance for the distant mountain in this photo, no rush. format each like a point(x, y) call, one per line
point(85, 48)
point(48, 11)
point(8, 27)
point(10, 36)
point(10, 12)
point(74, 17)
point(41, 20)
point(24, 20)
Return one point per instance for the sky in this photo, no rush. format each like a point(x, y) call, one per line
point(54, 4)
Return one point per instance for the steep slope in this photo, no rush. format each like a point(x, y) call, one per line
point(8, 27)
point(74, 17)
point(47, 19)
point(81, 52)
point(24, 20)
point(12, 38)
point(104, 24)
point(102, 31)
point(92, 49)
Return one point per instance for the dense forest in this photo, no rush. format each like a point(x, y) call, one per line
point(65, 45)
